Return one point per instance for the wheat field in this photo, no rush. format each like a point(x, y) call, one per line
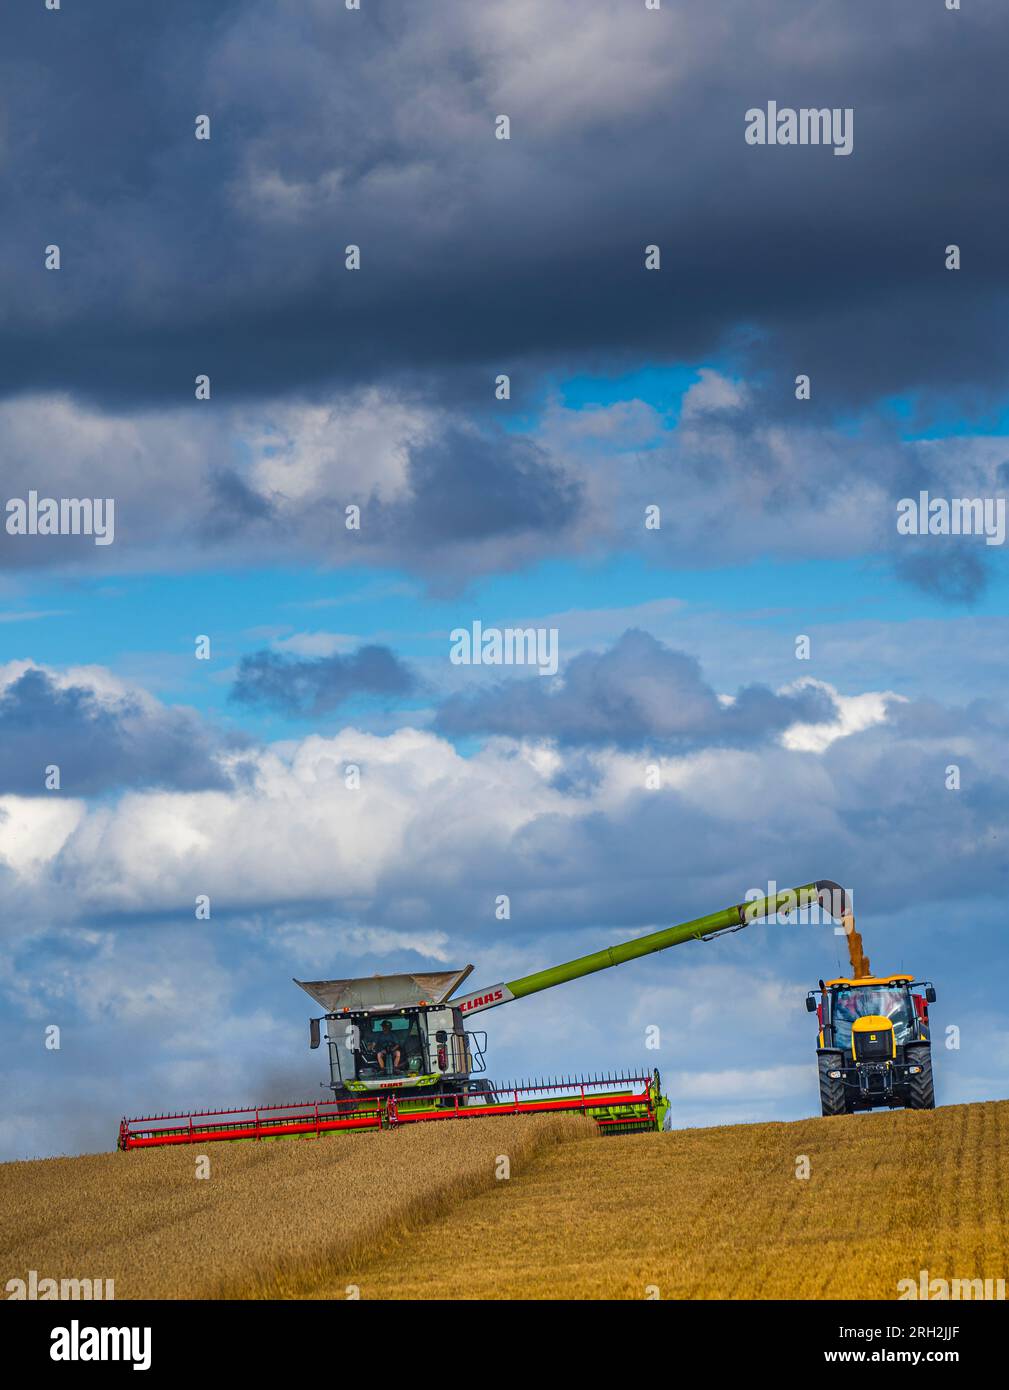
point(721, 1213)
point(423, 1213)
point(272, 1219)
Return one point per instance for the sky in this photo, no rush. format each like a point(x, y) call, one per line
point(715, 556)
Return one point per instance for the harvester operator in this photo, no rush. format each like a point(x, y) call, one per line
point(385, 1043)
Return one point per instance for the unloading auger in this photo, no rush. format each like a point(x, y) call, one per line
point(400, 1050)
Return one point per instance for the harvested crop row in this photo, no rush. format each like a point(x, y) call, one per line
point(271, 1219)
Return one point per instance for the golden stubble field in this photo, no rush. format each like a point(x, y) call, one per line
point(421, 1213)
point(720, 1213)
point(273, 1219)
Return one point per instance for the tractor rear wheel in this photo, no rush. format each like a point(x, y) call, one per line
point(832, 1101)
point(920, 1086)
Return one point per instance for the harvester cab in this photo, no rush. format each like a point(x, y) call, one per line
point(873, 1048)
point(396, 1033)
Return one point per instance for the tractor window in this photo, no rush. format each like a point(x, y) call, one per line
point(894, 1004)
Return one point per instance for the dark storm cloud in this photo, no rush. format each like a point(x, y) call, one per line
point(481, 256)
point(302, 686)
point(100, 742)
point(481, 488)
point(235, 508)
point(946, 570)
point(332, 127)
point(639, 692)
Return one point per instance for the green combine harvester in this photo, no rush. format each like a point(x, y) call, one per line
point(400, 1050)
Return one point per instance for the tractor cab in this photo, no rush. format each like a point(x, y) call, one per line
point(873, 1046)
point(396, 1032)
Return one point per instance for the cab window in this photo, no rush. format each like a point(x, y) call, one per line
point(851, 1003)
point(384, 1033)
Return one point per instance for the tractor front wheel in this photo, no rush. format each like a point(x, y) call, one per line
point(832, 1101)
point(920, 1086)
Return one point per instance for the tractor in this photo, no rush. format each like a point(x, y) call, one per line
point(873, 1048)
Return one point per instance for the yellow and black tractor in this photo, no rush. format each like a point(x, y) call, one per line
point(873, 1047)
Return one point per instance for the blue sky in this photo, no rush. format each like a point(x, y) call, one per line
point(375, 389)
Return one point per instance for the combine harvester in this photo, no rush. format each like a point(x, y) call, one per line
point(400, 1051)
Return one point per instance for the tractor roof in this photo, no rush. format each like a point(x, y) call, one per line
point(871, 980)
point(385, 991)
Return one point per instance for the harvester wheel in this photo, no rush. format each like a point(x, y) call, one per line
point(832, 1100)
point(921, 1089)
